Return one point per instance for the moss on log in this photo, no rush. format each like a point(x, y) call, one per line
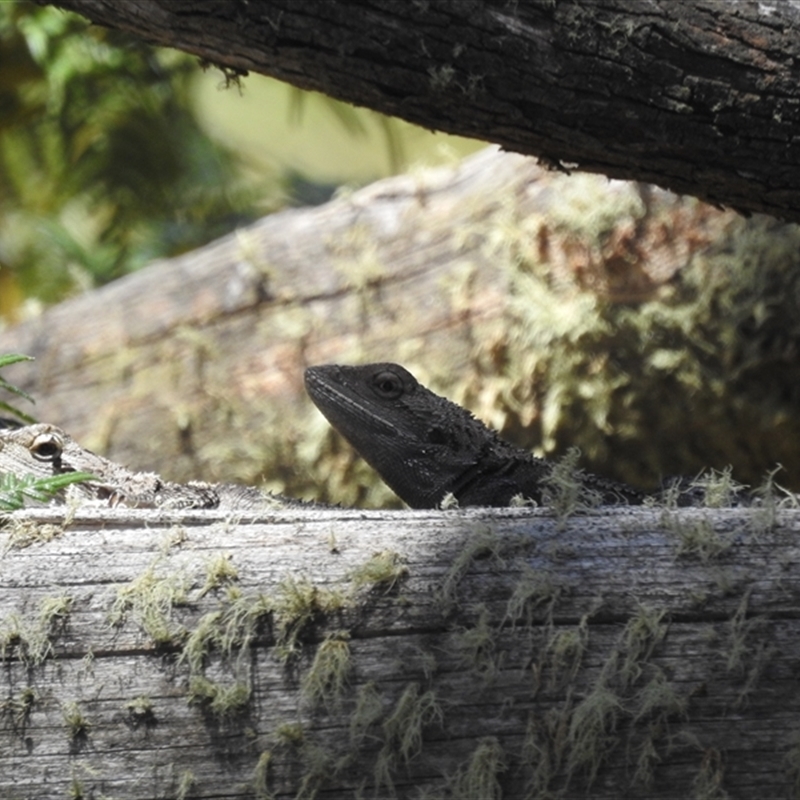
point(337, 653)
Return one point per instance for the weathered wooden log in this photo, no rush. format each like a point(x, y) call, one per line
point(641, 653)
point(701, 97)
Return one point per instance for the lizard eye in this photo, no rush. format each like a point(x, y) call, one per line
point(388, 385)
point(46, 447)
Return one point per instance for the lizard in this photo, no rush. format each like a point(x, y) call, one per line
point(44, 451)
point(425, 447)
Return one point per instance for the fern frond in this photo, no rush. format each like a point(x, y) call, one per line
point(16, 489)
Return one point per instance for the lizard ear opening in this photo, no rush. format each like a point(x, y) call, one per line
point(437, 436)
point(46, 447)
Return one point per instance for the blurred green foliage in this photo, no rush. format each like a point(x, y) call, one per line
point(103, 166)
point(6, 359)
point(704, 374)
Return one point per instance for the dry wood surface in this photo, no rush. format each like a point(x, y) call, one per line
point(644, 653)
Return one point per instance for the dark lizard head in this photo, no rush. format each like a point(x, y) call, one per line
point(421, 444)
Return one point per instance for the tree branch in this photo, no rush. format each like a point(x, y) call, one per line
point(702, 98)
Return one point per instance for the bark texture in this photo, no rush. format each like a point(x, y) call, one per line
point(641, 653)
point(702, 98)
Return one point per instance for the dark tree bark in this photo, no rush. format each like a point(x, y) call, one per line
point(699, 97)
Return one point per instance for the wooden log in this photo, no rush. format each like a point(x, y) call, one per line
point(644, 653)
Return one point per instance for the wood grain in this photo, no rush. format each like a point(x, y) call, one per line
point(636, 652)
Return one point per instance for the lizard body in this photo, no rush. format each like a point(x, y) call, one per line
point(45, 451)
point(425, 446)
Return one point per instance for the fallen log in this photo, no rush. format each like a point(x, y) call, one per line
point(639, 652)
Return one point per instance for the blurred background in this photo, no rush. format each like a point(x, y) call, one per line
point(114, 153)
point(659, 335)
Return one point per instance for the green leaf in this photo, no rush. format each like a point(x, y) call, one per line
point(13, 358)
point(17, 413)
point(6, 360)
point(15, 489)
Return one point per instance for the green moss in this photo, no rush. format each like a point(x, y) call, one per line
point(770, 498)
point(76, 789)
point(543, 750)
point(449, 502)
point(369, 709)
point(743, 656)
point(297, 604)
point(402, 731)
point(226, 630)
point(33, 637)
point(327, 676)
point(475, 646)
point(533, 589)
point(642, 633)
point(78, 725)
point(718, 488)
point(244, 614)
point(760, 657)
point(645, 761)
point(205, 635)
point(697, 538)
point(148, 600)
point(140, 711)
point(290, 733)
point(739, 629)
point(483, 543)
point(18, 708)
point(185, 784)
point(565, 650)
point(592, 728)
point(622, 380)
point(478, 779)
point(320, 766)
point(658, 701)
point(564, 491)
point(585, 209)
point(176, 536)
point(261, 777)
point(221, 701)
point(10, 634)
point(219, 572)
point(383, 570)
point(23, 533)
point(707, 784)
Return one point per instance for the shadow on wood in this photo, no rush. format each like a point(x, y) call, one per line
point(471, 654)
